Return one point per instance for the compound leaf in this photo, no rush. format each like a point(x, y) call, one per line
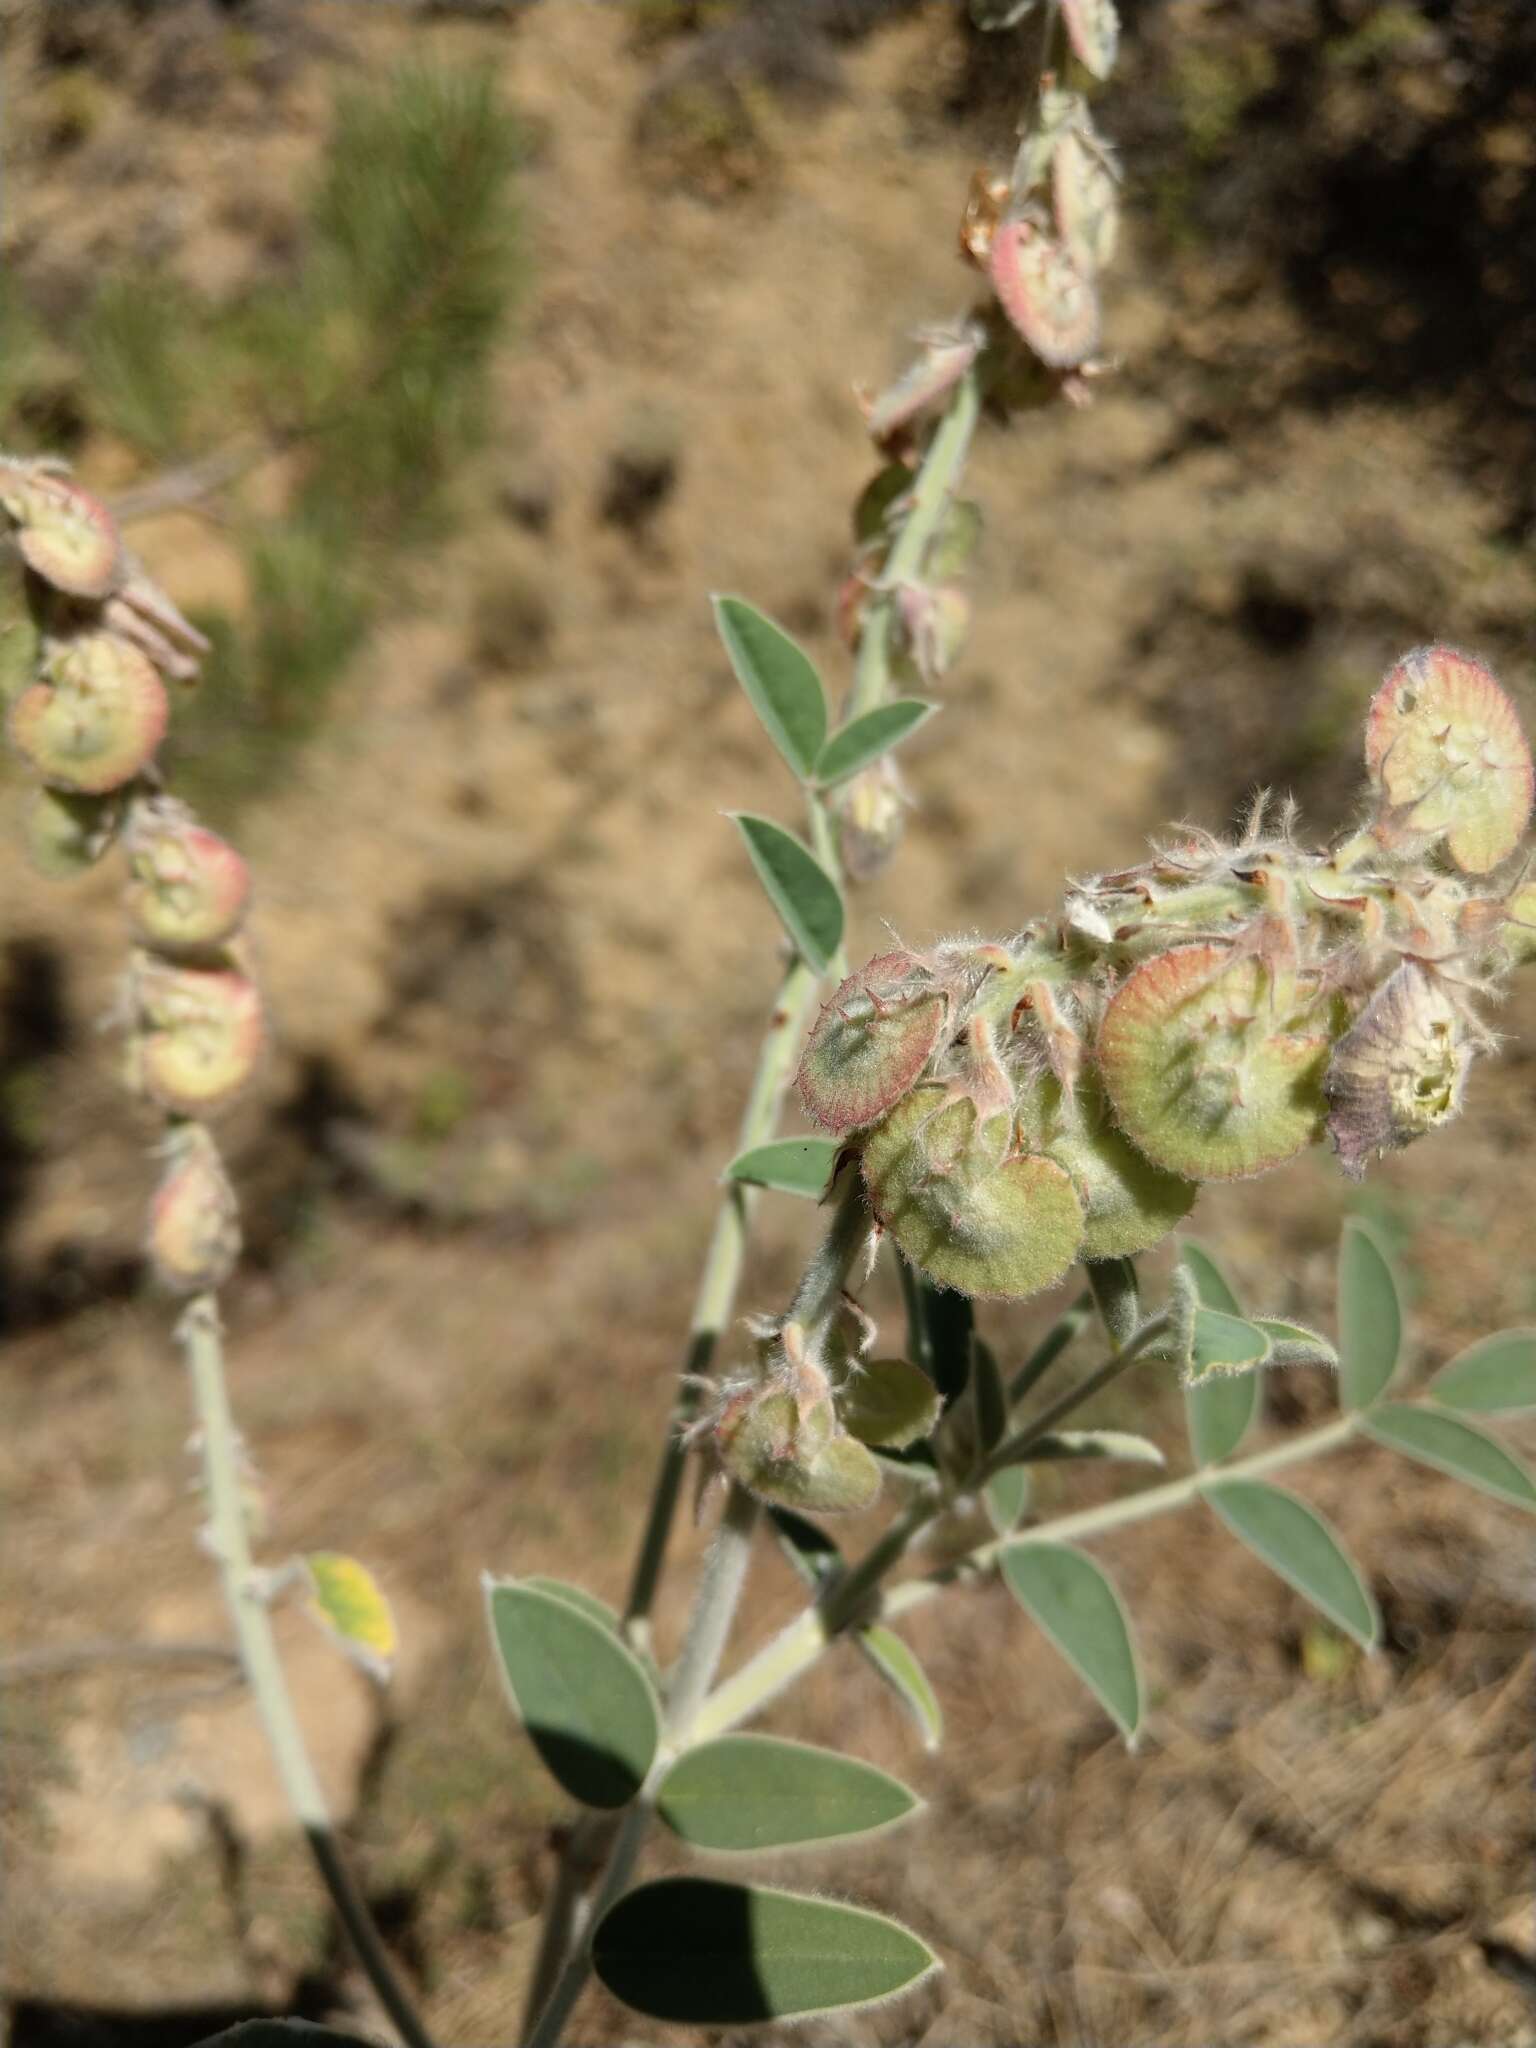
point(1295, 1541)
point(1495, 1377)
point(746, 1792)
point(780, 679)
point(796, 1166)
point(1451, 1445)
point(1370, 1317)
point(1073, 1601)
point(866, 738)
point(798, 886)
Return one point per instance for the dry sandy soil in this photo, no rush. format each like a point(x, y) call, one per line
point(518, 878)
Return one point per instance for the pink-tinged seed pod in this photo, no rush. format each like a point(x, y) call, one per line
point(194, 1221)
point(1444, 746)
point(201, 1035)
point(66, 834)
point(1399, 1071)
point(96, 722)
point(1093, 30)
point(1045, 293)
point(1213, 1062)
point(871, 1042)
point(189, 888)
point(66, 536)
point(944, 361)
point(1087, 202)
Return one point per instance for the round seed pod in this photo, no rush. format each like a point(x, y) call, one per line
point(189, 887)
point(1213, 1064)
point(1087, 203)
point(98, 719)
point(1444, 746)
point(66, 834)
point(1046, 294)
point(202, 1035)
point(66, 536)
point(194, 1221)
point(1093, 30)
point(795, 1459)
point(1128, 1203)
point(871, 1042)
point(972, 1217)
point(21, 639)
point(1399, 1071)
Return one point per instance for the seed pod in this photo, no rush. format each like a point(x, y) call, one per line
point(871, 1042)
point(1213, 1063)
point(871, 816)
point(194, 1222)
point(66, 536)
point(189, 888)
point(942, 1182)
point(1129, 1204)
point(943, 362)
point(67, 834)
point(1444, 746)
point(795, 1454)
point(97, 720)
point(1087, 202)
point(20, 638)
point(1093, 30)
point(1399, 1071)
point(201, 1034)
point(1048, 297)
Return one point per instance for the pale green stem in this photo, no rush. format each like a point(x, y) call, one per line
point(718, 1283)
point(714, 1609)
point(792, 1653)
point(1012, 1450)
point(199, 1334)
point(930, 500)
point(1065, 1331)
point(572, 1980)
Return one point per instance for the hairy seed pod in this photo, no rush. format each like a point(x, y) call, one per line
point(1093, 30)
point(963, 1208)
point(1444, 746)
point(66, 536)
point(189, 887)
point(871, 1042)
point(194, 1221)
point(791, 1450)
point(1399, 1071)
point(21, 638)
point(944, 361)
point(97, 720)
point(66, 834)
point(1213, 1062)
point(1046, 294)
point(1128, 1204)
point(200, 1037)
point(1087, 202)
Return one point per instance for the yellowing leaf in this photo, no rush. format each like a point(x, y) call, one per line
point(346, 1601)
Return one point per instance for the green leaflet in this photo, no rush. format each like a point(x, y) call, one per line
point(1370, 1317)
point(1077, 1607)
point(780, 680)
point(866, 738)
point(746, 1792)
point(1451, 1445)
point(1295, 1541)
point(1495, 1377)
point(585, 1699)
point(1218, 1412)
point(796, 1166)
point(696, 1951)
point(798, 886)
point(898, 1665)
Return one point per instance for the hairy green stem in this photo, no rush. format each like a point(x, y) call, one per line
point(793, 1652)
point(714, 1609)
point(718, 1284)
point(1011, 1451)
point(1063, 1332)
point(200, 1337)
point(572, 1980)
point(931, 496)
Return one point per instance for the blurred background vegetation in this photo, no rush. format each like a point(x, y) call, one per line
point(445, 356)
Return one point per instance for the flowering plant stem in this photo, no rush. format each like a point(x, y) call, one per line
point(801, 1645)
point(201, 1341)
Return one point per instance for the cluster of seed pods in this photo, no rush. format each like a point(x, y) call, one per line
point(88, 644)
point(1202, 1017)
point(1041, 237)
